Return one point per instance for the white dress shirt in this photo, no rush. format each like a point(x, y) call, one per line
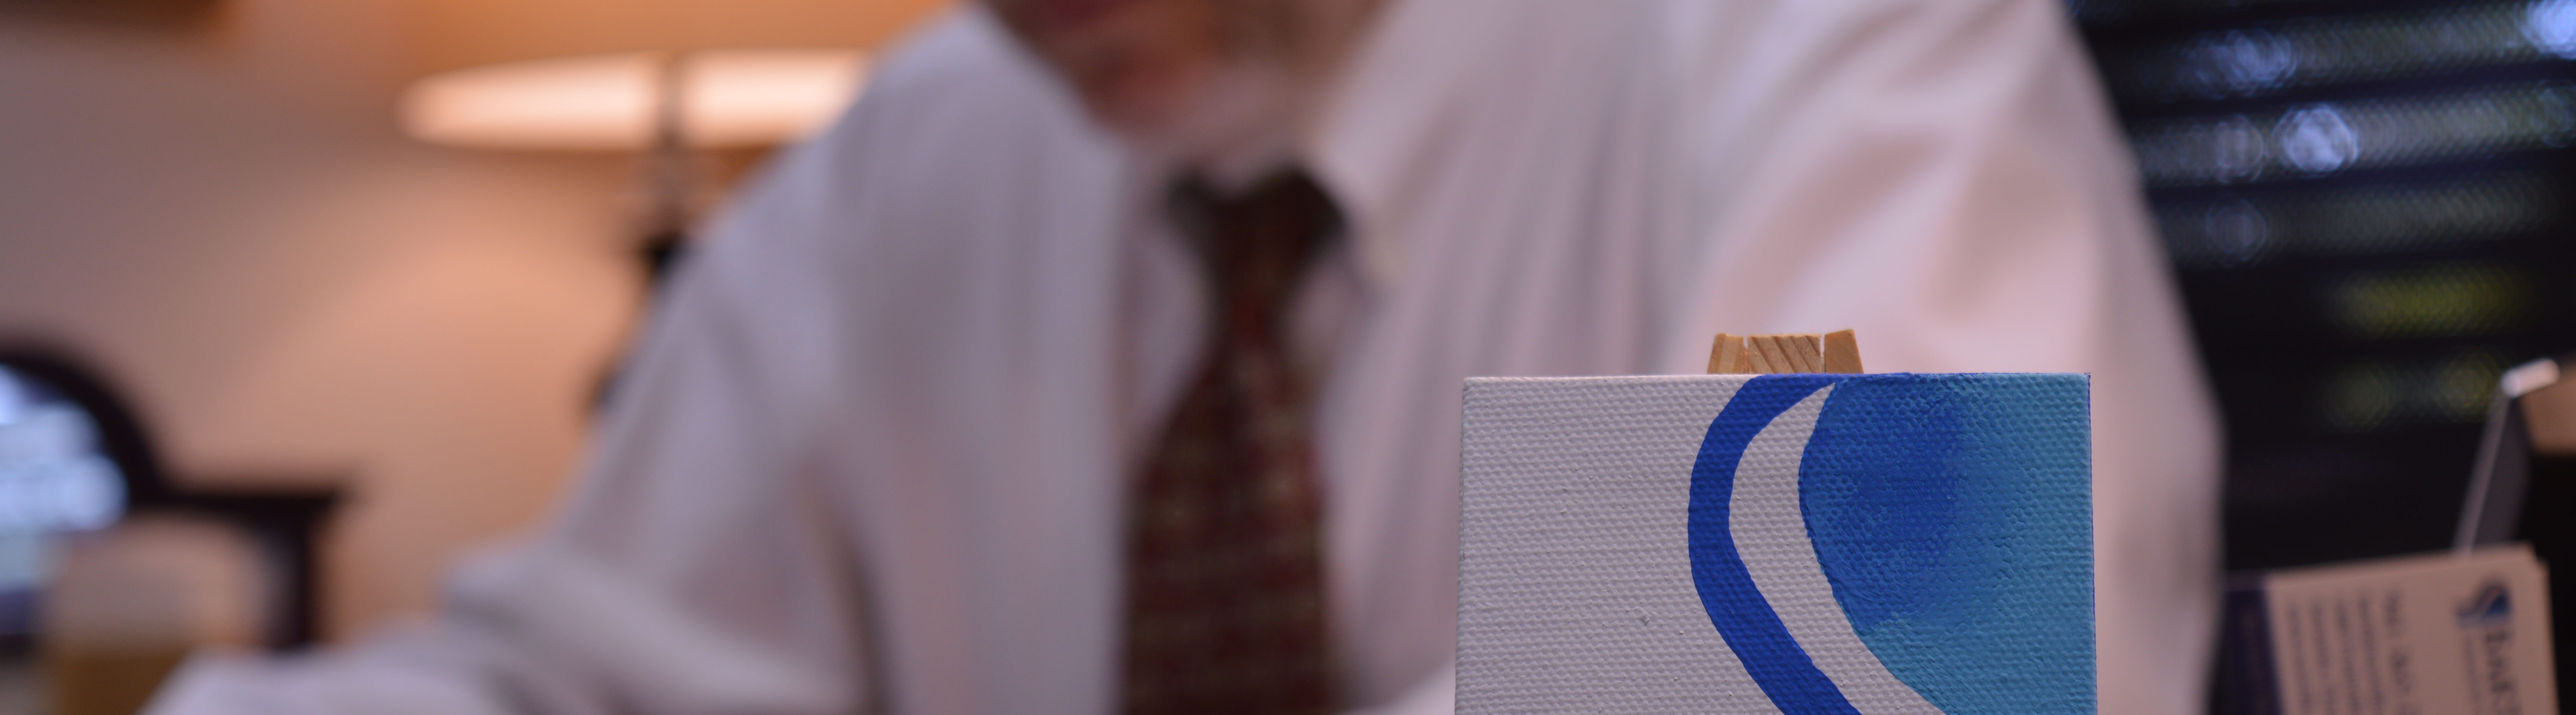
point(874, 449)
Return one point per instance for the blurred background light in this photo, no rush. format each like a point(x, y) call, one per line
point(2238, 231)
point(2239, 62)
point(736, 98)
point(2316, 140)
point(2373, 395)
point(53, 476)
point(2317, 49)
point(669, 79)
point(2469, 298)
point(54, 480)
point(2325, 137)
point(2551, 26)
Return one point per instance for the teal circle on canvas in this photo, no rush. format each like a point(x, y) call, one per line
point(1951, 513)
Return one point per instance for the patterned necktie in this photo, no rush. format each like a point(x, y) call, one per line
point(1225, 602)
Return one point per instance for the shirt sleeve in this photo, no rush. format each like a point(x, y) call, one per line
point(1435, 695)
point(697, 568)
point(1946, 178)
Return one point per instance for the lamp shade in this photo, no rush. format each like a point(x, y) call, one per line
point(458, 34)
point(726, 98)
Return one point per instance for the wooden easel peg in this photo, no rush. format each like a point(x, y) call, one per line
point(1834, 352)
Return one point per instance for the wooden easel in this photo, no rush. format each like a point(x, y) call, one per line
point(1834, 352)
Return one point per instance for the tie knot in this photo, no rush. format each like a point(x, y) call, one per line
point(1255, 243)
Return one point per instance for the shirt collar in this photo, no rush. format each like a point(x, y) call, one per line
point(1372, 127)
point(1376, 120)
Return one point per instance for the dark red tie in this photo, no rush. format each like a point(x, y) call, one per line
point(1225, 596)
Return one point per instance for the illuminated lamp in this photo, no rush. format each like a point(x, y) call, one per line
point(667, 104)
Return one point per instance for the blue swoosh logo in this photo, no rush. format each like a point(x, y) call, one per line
point(1743, 617)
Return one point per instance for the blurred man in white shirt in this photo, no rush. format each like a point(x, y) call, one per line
point(878, 449)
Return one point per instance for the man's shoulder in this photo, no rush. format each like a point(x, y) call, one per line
point(960, 76)
point(960, 142)
point(956, 120)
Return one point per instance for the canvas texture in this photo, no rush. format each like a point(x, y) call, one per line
point(1796, 544)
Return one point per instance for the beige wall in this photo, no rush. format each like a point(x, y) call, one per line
point(226, 218)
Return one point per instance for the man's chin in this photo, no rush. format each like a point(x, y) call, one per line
point(1218, 114)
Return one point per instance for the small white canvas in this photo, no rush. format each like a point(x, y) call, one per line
point(1777, 543)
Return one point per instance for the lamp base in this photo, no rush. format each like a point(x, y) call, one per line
point(661, 253)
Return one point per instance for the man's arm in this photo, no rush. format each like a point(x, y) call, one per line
point(696, 570)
